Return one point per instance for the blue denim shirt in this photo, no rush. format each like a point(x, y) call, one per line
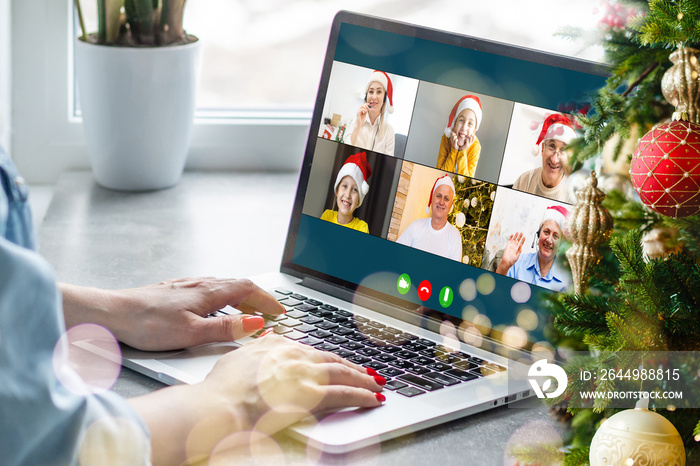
point(41, 421)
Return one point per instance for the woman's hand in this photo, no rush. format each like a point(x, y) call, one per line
point(264, 386)
point(171, 314)
point(362, 113)
point(278, 382)
point(511, 253)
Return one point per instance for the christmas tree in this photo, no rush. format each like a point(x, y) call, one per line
point(471, 213)
point(637, 303)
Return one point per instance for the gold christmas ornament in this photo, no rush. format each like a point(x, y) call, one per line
point(637, 436)
point(589, 225)
point(680, 85)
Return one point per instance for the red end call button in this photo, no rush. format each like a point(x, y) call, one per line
point(424, 290)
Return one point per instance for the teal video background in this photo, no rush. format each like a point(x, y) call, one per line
point(499, 76)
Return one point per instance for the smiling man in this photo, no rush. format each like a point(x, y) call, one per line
point(537, 267)
point(435, 234)
point(550, 179)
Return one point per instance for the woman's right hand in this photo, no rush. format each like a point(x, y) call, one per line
point(273, 382)
point(511, 253)
point(362, 113)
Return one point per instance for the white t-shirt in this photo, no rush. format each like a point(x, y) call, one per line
point(446, 242)
point(374, 137)
point(531, 182)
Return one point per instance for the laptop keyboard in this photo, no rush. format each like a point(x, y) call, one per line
point(411, 365)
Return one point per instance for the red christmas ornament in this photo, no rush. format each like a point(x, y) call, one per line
point(665, 169)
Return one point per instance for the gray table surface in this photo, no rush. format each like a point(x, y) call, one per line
point(233, 225)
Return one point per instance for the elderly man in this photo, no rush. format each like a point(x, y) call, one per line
point(550, 179)
point(434, 234)
point(537, 267)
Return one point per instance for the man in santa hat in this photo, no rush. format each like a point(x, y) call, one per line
point(550, 179)
point(537, 267)
point(370, 130)
point(435, 234)
point(459, 147)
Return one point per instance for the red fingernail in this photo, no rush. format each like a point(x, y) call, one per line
point(267, 332)
point(371, 371)
point(380, 380)
point(252, 323)
point(380, 398)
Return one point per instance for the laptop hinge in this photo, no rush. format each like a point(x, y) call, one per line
point(359, 299)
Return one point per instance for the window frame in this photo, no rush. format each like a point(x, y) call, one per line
point(47, 139)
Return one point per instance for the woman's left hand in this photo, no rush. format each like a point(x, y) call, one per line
point(172, 314)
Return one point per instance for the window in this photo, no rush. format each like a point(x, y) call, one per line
point(261, 65)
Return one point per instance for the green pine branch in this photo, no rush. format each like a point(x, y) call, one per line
point(669, 23)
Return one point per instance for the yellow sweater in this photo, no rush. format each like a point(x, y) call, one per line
point(355, 223)
point(459, 162)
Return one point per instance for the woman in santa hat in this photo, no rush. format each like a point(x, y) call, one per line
point(459, 147)
point(351, 187)
point(537, 267)
point(550, 179)
point(369, 130)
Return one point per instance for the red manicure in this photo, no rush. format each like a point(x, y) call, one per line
point(380, 398)
point(380, 380)
point(370, 371)
point(252, 323)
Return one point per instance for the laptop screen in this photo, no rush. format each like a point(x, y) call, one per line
point(435, 174)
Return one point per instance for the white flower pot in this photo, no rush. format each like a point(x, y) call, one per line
point(138, 111)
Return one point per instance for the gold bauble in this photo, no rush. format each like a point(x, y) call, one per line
point(589, 225)
point(680, 85)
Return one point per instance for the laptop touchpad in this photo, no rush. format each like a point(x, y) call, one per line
point(198, 361)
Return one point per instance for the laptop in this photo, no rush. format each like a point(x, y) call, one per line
point(451, 336)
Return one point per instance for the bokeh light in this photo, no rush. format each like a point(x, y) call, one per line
point(354, 422)
point(520, 292)
point(467, 290)
point(470, 334)
point(469, 313)
point(515, 337)
point(87, 359)
point(542, 350)
point(114, 440)
point(248, 447)
point(485, 284)
point(527, 319)
point(534, 434)
point(483, 323)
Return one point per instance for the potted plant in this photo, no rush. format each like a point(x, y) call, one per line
point(137, 78)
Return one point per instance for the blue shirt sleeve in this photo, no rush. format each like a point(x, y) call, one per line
point(15, 215)
point(42, 421)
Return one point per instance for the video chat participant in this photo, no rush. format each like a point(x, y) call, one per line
point(369, 129)
point(537, 267)
point(350, 189)
point(435, 234)
point(459, 147)
point(550, 179)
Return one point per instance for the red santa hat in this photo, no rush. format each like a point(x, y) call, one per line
point(383, 79)
point(443, 180)
point(557, 213)
point(358, 169)
point(470, 102)
point(557, 126)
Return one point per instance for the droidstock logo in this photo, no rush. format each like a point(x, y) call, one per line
point(542, 369)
